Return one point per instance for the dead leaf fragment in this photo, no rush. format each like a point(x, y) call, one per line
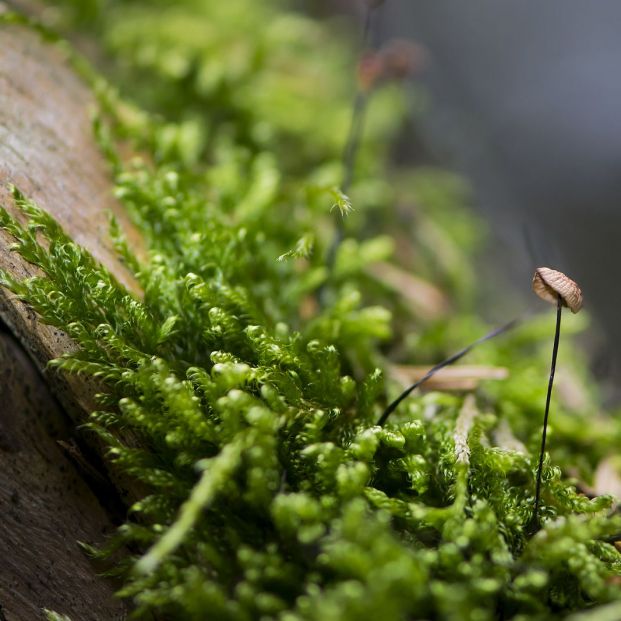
point(607, 479)
point(427, 300)
point(455, 378)
point(506, 440)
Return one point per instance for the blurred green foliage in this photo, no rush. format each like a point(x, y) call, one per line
point(272, 494)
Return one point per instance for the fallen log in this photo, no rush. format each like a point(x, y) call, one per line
point(48, 502)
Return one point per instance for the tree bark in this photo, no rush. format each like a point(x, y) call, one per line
point(46, 505)
point(46, 502)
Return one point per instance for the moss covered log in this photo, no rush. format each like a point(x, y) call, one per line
point(270, 491)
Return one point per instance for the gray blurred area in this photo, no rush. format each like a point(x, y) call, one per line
point(525, 99)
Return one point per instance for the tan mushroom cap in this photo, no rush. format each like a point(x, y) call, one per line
point(548, 284)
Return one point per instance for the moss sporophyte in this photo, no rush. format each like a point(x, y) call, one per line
point(268, 490)
point(397, 60)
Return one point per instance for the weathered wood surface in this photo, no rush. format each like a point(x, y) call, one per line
point(47, 150)
point(45, 506)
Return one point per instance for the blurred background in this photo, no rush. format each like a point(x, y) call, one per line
point(525, 100)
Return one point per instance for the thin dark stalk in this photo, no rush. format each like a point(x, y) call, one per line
point(349, 163)
point(450, 360)
point(368, 23)
point(557, 334)
point(353, 139)
point(352, 142)
point(358, 110)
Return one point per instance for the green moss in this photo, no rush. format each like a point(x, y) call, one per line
point(272, 494)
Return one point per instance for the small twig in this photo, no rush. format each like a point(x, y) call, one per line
point(557, 334)
point(463, 426)
point(450, 360)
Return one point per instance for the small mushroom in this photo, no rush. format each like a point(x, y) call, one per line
point(549, 284)
point(552, 286)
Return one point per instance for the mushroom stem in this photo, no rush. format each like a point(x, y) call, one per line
point(557, 334)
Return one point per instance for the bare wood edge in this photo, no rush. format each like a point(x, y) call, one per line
point(47, 149)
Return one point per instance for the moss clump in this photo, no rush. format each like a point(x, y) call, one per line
point(272, 494)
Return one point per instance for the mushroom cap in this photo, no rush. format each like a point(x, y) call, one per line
point(549, 284)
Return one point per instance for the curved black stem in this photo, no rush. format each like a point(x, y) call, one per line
point(557, 334)
point(450, 360)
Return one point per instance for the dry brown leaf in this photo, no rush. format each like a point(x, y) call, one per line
point(607, 479)
point(455, 378)
point(571, 389)
point(504, 438)
point(426, 299)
